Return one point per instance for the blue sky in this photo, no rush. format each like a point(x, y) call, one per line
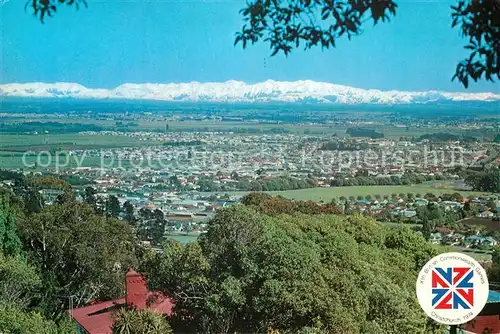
point(115, 41)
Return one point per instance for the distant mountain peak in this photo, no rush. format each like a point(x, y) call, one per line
point(239, 91)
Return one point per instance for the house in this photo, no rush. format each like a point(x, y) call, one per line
point(450, 205)
point(453, 238)
point(435, 238)
point(421, 202)
point(489, 241)
point(485, 214)
point(479, 240)
point(97, 318)
point(409, 213)
point(473, 240)
point(444, 230)
point(405, 213)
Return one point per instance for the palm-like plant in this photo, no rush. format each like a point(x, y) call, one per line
point(130, 321)
point(126, 322)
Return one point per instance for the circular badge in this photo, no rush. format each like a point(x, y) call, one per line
point(452, 288)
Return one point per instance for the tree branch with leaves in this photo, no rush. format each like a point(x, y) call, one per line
point(286, 25)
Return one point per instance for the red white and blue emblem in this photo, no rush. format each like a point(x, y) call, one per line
point(452, 288)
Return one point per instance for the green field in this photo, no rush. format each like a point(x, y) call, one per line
point(394, 225)
point(476, 254)
point(183, 239)
point(16, 160)
point(13, 147)
point(158, 123)
point(40, 142)
point(327, 194)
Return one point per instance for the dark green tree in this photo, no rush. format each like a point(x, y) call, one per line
point(89, 196)
point(487, 180)
point(174, 182)
point(128, 209)
point(13, 319)
point(77, 252)
point(347, 208)
point(113, 207)
point(145, 213)
point(491, 204)
point(19, 282)
point(10, 243)
point(157, 227)
point(430, 197)
point(252, 272)
point(427, 228)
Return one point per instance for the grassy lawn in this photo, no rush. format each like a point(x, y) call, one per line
point(327, 194)
point(183, 239)
point(394, 225)
point(476, 254)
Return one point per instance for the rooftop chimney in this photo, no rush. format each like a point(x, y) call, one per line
point(137, 291)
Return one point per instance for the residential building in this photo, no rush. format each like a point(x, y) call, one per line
point(97, 318)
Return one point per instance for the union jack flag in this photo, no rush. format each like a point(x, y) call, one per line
point(452, 288)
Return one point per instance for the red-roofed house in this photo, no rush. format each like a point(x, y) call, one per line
point(444, 230)
point(97, 318)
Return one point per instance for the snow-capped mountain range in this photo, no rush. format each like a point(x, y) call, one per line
point(238, 91)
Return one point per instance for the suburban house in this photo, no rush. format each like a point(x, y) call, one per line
point(489, 241)
point(97, 318)
point(452, 238)
point(405, 213)
point(485, 214)
point(475, 240)
point(435, 238)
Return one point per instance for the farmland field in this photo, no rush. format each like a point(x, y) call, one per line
point(16, 160)
point(158, 125)
point(241, 123)
point(21, 143)
point(327, 194)
point(12, 147)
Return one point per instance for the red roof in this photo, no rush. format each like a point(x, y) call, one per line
point(444, 230)
point(97, 318)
